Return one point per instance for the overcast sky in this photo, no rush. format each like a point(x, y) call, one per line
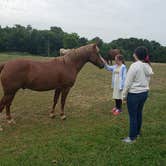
point(108, 19)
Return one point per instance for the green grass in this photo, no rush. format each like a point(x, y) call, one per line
point(91, 135)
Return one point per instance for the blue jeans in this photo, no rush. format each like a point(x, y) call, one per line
point(135, 104)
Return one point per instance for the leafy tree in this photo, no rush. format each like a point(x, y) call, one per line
point(82, 41)
point(48, 42)
point(70, 40)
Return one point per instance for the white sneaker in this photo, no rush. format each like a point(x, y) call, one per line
point(128, 140)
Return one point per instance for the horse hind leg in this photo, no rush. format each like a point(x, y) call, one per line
point(9, 99)
point(1, 129)
point(56, 97)
point(2, 106)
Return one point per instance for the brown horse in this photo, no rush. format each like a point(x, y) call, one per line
point(59, 73)
point(112, 53)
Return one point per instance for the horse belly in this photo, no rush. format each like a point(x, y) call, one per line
point(48, 77)
point(43, 83)
point(49, 82)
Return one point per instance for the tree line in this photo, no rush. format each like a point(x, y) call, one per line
point(48, 42)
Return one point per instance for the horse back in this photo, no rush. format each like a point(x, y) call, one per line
point(37, 75)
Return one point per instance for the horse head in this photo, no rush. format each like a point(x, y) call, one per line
point(95, 58)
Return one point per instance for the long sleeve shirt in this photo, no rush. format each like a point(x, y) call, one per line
point(137, 79)
point(122, 74)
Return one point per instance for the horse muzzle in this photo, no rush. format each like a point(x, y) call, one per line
point(103, 62)
point(101, 66)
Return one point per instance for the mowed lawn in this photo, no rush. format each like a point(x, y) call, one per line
point(91, 135)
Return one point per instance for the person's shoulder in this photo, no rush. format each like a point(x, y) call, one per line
point(135, 65)
point(124, 66)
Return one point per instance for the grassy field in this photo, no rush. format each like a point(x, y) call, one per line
point(91, 135)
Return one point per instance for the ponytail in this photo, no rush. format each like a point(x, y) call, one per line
point(147, 58)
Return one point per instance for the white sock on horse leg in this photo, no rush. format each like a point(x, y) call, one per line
point(11, 121)
point(52, 115)
point(1, 129)
point(63, 117)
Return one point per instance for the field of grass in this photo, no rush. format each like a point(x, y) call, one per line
point(91, 135)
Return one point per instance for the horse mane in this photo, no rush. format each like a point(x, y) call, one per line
point(81, 51)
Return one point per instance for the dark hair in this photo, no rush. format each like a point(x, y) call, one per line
point(120, 58)
point(141, 53)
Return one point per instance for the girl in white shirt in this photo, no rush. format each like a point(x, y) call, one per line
point(118, 79)
point(136, 90)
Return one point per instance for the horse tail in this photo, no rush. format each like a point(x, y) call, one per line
point(2, 66)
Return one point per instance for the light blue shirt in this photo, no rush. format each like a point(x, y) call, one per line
point(122, 74)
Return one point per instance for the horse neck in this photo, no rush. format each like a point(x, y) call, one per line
point(77, 58)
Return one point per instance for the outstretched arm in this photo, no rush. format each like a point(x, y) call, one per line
point(109, 68)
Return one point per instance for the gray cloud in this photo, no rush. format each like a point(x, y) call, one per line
point(108, 19)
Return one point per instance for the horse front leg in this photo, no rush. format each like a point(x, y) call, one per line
point(63, 100)
point(56, 97)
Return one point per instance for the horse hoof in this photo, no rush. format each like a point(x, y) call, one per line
point(11, 121)
point(1, 129)
point(63, 117)
point(52, 115)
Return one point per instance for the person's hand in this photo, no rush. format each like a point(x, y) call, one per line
point(105, 62)
point(124, 100)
